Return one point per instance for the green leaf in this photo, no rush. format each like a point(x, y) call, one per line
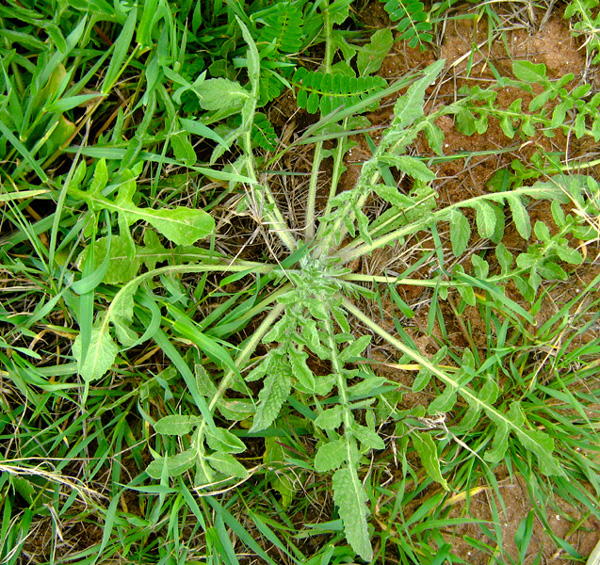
point(535, 441)
point(123, 264)
point(227, 464)
point(569, 255)
point(530, 72)
point(331, 455)
point(219, 439)
point(195, 127)
point(350, 496)
point(427, 451)
point(330, 419)
point(371, 56)
point(183, 149)
point(183, 226)
point(410, 106)
point(282, 479)
point(274, 393)
point(100, 356)
point(121, 46)
point(369, 438)
point(485, 219)
point(222, 94)
point(411, 166)
point(460, 232)
point(176, 464)
point(520, 217)
point(176, 425)
point(300, 369)
point(354, 350)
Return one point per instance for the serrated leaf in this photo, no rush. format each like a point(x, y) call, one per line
point(330, 419)
point(227, 464)
point(176, 425)
point(371, 56)
point(427, 451)
point(351, 499)
point(460, 233)
point(300, 369)
point(520, 217)
point(435, 138)
point(183, 226)
point(100, 355)
point(331, 455)
point(274, 393)
point(410, 106)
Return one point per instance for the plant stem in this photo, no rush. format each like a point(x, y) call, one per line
point(312, 192)
point(355, 249)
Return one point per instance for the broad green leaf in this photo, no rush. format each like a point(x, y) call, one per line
point(460, 232)
point(520, 217)
point(219, 439)
point(368, 438)
point(427, 451)
point(505, 258)
point(349, 495)
point(331, 455)
point(530, 72)
point(481, 267)
point(176, 425)
point(176, 464)
point(330, 419)
point(100, 356)
point(435, 137)
point(371, 56)
point(485, 218)
point(221, 94)
point(183, 226)
point(275, 391)
point(123, 265)
point(227, 464)
point(569, 255)
point(183, 149)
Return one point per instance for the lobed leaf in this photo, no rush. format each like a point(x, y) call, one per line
point(349, 495)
